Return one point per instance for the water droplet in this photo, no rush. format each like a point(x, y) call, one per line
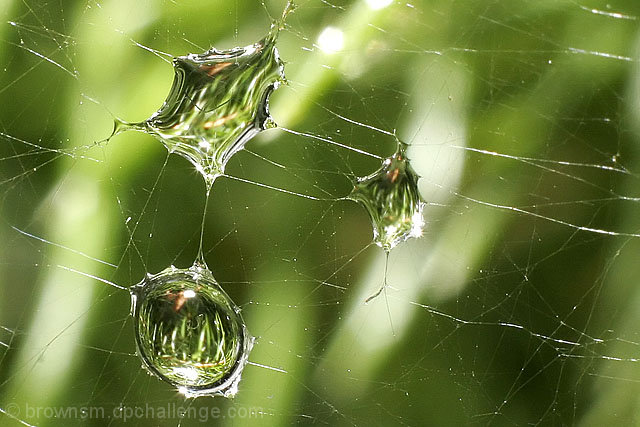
point(189, 333)
point(219, 100)
point(391, 197)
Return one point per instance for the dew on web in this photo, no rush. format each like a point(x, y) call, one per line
point(219, 100)
point(391, 197)
point(189, 333)
point(522, 130)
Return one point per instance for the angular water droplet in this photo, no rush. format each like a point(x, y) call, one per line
point(219, 100)
point(189, 333)
point(391, 197)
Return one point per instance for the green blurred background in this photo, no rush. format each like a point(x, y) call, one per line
point(518, 305)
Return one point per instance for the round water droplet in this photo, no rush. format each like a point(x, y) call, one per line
point(189, 332)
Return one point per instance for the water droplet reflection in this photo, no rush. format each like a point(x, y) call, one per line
point(219, 100)
point(189, 332)
point(391, 197)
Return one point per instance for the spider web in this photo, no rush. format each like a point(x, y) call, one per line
point(517, 305)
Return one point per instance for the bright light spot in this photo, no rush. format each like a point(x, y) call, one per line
point(331, 40)
point(390, 229)
point(417, 223)
point(187, 373)
point(189, 293)
point(204, 144)
point(378, 4)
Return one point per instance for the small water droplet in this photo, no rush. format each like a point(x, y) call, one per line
point(391, 197)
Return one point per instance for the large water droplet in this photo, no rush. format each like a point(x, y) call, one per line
point(219, 100)
point(391, 197)
point(189, 332)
